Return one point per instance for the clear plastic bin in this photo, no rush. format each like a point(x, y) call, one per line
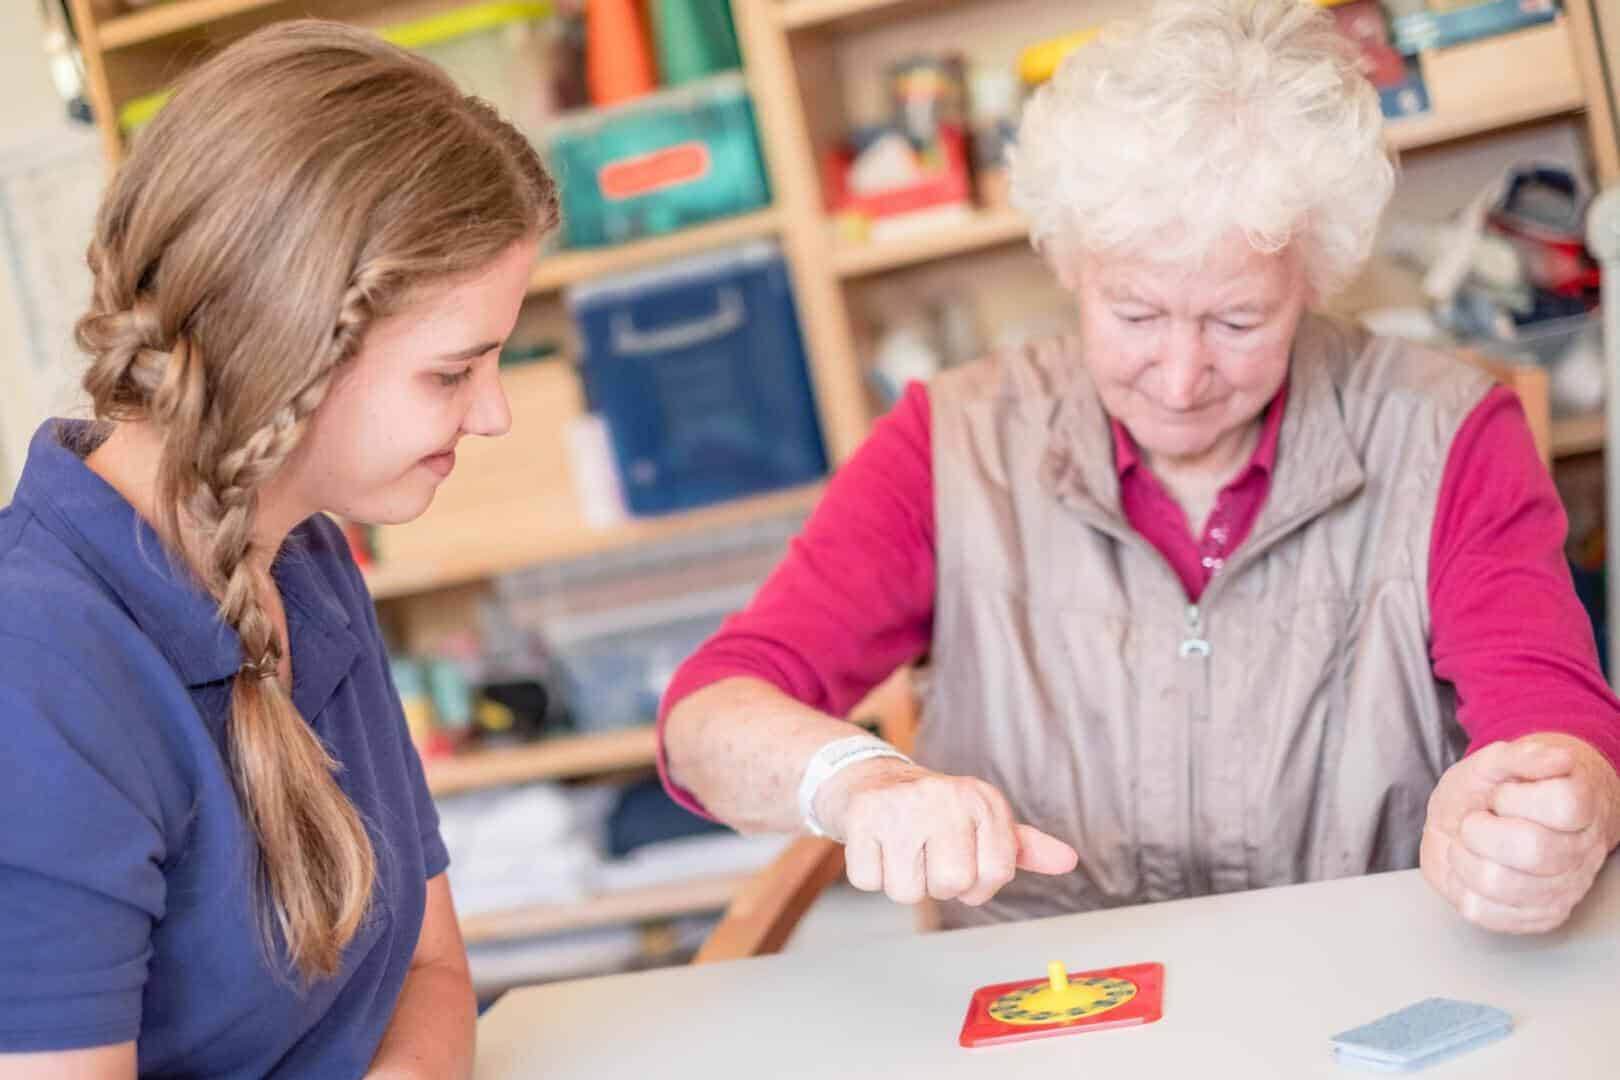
point(496, 51)
point(1572, 352)
point(614, 669)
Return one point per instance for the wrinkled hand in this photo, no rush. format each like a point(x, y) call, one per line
point(1517, 832)
point(910, 833)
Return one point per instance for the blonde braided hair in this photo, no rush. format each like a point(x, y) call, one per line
point(297, 187)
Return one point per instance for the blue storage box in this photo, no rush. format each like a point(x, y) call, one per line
point(699, 370)
point(659, 163)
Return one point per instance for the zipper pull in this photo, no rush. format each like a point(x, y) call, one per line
point(1194, 644)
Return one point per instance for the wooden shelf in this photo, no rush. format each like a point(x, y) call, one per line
point(1421, 131)
point(565, 268)
point(801, 14)
point(1573, 435)
point(988, 228)
point(170, 18)
point(637, 905)
point(466, 564)
point(570, 755)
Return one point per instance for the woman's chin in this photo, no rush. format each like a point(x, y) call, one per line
point(397, 506)
point(1175, 442)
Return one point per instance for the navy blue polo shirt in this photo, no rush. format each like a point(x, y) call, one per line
point(126, 906)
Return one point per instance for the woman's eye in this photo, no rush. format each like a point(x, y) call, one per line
point(453, 378)
point(1136, 318)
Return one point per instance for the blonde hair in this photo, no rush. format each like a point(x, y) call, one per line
point(1208, 116)
point(298, 186)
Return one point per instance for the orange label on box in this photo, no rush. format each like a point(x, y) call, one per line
point(661, 169)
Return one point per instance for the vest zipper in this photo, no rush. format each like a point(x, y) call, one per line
point(1195, 646)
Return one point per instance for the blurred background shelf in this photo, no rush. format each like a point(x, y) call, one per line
point(985, 229)
point(171, 18)
point(1419, 132)
point(464, 564)
point(1573, 435)
point(564, 756)
point(564, 268)
point(805, 14)
point(695, 897)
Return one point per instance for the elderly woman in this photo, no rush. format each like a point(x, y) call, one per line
point(1215, 593)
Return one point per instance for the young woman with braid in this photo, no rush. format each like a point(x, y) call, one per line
point(219, 856)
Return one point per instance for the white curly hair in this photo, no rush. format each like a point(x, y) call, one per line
point(1208, 116)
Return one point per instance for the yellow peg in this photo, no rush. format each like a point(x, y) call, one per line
point(1058, 976)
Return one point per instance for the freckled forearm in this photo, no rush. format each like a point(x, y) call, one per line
point(741, 746)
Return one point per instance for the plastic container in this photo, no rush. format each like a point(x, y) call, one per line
point(663, 162)
point(696, 39)
point(1571, 349)
point(497, 51)
point(699, 369)
point(614, 662)
point(1547, 342)
point(615, 680)
point(619, 59)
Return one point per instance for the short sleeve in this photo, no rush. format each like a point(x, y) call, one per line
point(434, 853)
point(81, 859)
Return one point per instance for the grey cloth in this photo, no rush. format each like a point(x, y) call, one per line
point(1303, 742)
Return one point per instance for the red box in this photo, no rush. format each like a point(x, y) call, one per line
point(1363, 22)
point(950, 184)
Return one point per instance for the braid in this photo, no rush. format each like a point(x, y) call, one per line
point(317, 862)
point(131, 355)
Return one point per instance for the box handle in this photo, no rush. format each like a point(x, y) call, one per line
point(728, 317)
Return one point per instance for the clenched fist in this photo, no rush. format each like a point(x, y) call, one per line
point(1517, 832)
point(911, 833)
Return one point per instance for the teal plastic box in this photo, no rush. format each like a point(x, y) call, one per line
point(658, 164)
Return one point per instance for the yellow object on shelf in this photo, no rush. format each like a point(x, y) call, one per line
point(416, 34)
point(420, 33)
point(1040, 61)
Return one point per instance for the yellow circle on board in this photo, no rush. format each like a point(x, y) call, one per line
point(1040, 1004)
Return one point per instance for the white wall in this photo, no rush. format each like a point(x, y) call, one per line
point(31, 115)
point(27, 99)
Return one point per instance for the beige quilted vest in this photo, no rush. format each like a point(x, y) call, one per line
point(1288, 727)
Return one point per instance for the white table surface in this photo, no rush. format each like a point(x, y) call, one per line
point(1255, 984)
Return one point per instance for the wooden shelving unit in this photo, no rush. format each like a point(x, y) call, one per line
point(1572, 435)
point(1424, 131)
point(501, 553)
point(139, 27)
point(564, 268)
point(808, 14)
point(550, 759)
point(670, 901)
point(988, 228)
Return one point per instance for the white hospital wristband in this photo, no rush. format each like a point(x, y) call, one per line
point(831, 759)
